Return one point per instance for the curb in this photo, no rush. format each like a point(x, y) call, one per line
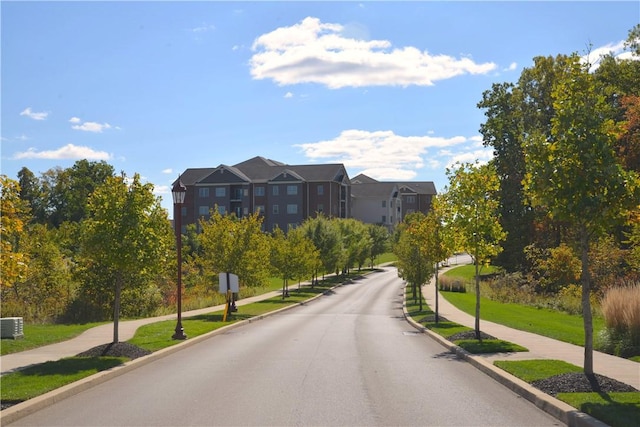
point(31, 406)
point(549, 404)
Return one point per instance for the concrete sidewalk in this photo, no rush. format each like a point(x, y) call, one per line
point(539, 347)
point(102, 335)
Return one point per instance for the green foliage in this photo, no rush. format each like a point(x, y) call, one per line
point(236, 246)
point(326, 238)
point(488, 346)
point(14, 214)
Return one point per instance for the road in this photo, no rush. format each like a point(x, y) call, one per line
point(346, 359)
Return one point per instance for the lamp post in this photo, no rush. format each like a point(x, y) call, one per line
point(179, 191)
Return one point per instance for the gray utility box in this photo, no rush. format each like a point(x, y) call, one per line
point(12, 327)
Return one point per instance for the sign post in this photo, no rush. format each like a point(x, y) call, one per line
point(230, 286)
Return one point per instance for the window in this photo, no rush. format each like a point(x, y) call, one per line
point(220, 191)
point(292, 190)
point(292, 209)
point(203, 192)
point(245, 211)
point(384, 203)
point(259, 191)
point(320, 190)
point(222, 210)
point(384, 219)
point(275, 190)
point(275, 209)
point(260, 209)
point(411, 199)
point(320, 208)
point(203, 210)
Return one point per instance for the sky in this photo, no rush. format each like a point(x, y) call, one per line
point(389, 89)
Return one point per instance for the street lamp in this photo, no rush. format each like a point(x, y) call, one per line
point(179, 191)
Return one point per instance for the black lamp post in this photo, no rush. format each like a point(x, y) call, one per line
point(179, 191)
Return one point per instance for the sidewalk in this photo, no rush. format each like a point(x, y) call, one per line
point(102, 335)
point(539, 347)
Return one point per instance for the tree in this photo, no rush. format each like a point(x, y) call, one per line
point(127, 237)
point(575, 174)
point(326, 238)
point(14, 215)
point(237, 246)
point(471, 196)
point(379, 236)
point(293, 256)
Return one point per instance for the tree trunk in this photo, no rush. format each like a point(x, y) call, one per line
point(586, 302)
point(437, 310)
point(478, 336)
point(116, 308)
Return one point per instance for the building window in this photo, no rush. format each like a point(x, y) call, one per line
point(275, 209)
point(203, 210)
point(411, 199)
point(260, 209)
point(220, 192)
point(384, 203)
point(292, 209)
point(384, 219)
point(275, 190)
point(320, 208)
point(222, 210)
point(203, 192)
point(320, 190)
point(259, 191)
point(292, 190)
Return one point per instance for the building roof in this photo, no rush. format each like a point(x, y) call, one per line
point(261, 169)
point(417, 187)
point(378, 190)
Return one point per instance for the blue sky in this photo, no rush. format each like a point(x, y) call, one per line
point(387, 88)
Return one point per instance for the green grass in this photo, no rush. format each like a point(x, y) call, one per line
point(468, 272)
point(447, 329)
point(550, 323)
point(41, 335)
point(39, 379)
point(615, 409)
point(534, 370)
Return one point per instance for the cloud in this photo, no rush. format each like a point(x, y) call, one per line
point(316, 52)
point(69, 151)
point(33, 115)
point(382, 153)
point(88, 126)
point(616, 49)
point(167, 171)
point(288, 95)
point(203, 28)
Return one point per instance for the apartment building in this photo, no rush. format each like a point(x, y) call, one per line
point(285, 195)
point(388, 202)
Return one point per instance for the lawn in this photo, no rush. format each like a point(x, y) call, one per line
point(550, 323)
point(41, 335)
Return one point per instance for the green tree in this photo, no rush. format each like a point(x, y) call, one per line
point(326, 238)
point(574, 172)
point(473, 210)
point(13, 216)
point(379, 237)
point(127, 237)
point(293, 256)
point(237, 246)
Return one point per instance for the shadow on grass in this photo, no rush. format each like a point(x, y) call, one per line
point(614, 413)
point(72, 365)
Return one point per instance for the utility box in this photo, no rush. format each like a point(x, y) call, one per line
point(11, 327)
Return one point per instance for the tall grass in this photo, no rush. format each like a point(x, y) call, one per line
point(621, 310)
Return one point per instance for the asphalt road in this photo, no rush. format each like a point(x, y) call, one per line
point(346, 359)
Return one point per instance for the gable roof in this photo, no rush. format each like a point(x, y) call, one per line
point(378, 190)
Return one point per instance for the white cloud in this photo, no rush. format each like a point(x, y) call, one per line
point(33, 115)
point(288, 95)
point(167, 171)
point(203, 28)
point(512, 67)
point(316, 52)
point(75, 120)
point(89, 126)
point(616, 49)
point(69, 151)
point(383, 153)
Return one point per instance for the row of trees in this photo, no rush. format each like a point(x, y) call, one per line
point(114, 252)
point(564, 179)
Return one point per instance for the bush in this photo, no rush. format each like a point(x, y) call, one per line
point(451, 284)
point(621, 310)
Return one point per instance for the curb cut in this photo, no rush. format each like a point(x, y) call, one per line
point(31, 406)
point(549, 404)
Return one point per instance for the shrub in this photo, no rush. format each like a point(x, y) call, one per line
point(621, 310)
point(451, 284)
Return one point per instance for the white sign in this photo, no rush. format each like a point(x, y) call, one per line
point(230, 284)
